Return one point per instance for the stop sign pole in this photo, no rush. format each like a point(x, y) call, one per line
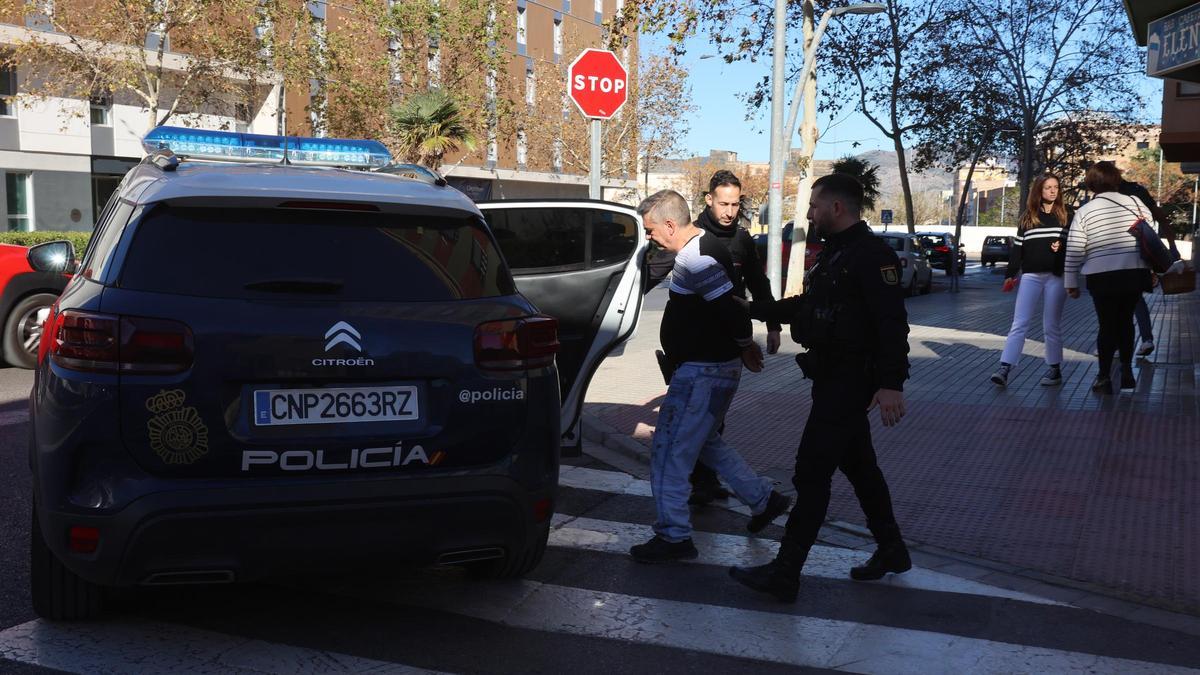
point(599, 86)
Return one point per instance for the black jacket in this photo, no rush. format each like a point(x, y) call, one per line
point(748, 268)
point(852, 311)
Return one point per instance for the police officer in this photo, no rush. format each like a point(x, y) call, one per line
point(721, 218)
point(853, 322)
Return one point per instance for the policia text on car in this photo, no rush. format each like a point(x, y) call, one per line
point(853, 322)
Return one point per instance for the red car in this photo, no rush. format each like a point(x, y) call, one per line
point(25, 299)
point(811, 249)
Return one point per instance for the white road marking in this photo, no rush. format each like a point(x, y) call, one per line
point(121, 646)
point(10, 417)
point(726, 549)
point(766, 636)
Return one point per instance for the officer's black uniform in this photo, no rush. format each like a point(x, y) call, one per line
point(853, 321)
point(748, 275)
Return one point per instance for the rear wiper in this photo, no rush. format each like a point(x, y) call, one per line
point(313, 286)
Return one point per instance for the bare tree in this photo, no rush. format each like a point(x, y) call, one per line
point(1054, 59)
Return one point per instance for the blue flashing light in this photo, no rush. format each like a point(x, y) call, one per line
point(237, 147)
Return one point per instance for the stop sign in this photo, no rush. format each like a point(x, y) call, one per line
point(597, 83)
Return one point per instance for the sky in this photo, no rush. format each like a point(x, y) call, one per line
point(720, 122)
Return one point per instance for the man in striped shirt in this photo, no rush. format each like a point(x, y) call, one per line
point(707, 336)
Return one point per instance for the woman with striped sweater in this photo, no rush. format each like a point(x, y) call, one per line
point(1102, 249)
point(1035, 268)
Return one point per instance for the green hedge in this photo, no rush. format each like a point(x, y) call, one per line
point(79, 239)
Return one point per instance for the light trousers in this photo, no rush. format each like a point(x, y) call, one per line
point(1043, 288)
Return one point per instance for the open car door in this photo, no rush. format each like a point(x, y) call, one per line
point(580, 262)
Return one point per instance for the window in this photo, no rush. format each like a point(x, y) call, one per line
point(157, 36)
point(97, 257)
point(101, 110)
point(598, 7)
point(1143, 145)
point(1187, 90)
point(40, 18)
point(614, 236)
point(318, 255)
point(17, 200)
point(530, 84)
point(8, 91)
point(562, 239)
point(567, 6)
point(521, 28)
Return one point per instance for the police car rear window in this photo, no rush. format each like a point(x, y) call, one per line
point(896, 243)
point(248, 253)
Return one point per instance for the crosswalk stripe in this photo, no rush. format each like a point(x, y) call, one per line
point(720, 549)
point(726, 549)
point(120, 646)
point(751, 634)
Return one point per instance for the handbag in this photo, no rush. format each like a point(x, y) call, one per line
point(1154, 252)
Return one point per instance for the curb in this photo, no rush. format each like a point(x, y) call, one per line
point(1003, 575)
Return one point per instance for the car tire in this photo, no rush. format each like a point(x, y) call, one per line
point(515, 565)
point(58, 594)
point(22, 326)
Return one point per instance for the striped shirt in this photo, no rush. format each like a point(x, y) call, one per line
point(1041, 248)
point(703, 322)
point(1099, 239)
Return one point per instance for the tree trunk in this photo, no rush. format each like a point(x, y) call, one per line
point(902, 163)
point(1028, 146)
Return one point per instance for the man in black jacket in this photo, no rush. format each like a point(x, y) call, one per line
point(852, 319)
point(720, 219)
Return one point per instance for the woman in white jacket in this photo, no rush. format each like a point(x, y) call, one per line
point(1102, 249)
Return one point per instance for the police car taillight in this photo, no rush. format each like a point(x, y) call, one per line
point(516, 344)
point(103, 343)
point(238, 147)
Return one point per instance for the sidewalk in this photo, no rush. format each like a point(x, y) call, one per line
point(1055, 482)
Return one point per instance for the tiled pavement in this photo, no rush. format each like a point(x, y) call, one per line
point(1103, 490)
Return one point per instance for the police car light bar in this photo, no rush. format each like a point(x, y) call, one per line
point(237, 147)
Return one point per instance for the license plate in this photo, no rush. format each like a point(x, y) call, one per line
point(334, 406)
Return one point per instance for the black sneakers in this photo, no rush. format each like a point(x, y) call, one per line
point(891, 557)
point(705, 493)
point(773, 578)
point(1000, 377)
point(1052, 378)
point(1102, 384)
point(659, 550)
point(777, 504)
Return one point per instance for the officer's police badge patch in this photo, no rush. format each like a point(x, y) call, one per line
point(891, 276)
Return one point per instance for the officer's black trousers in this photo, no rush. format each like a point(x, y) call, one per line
point(837, 436)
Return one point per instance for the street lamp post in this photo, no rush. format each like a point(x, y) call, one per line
point(781, 136)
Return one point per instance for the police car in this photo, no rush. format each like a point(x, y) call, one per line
point(266, 366)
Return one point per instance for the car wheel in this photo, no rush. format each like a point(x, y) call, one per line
point(23, 329)
point(58, 594)
point(513, 566)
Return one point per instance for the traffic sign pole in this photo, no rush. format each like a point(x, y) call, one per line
point(594, 174)
point(599, 85)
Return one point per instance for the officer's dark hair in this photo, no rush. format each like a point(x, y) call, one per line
point(723, 178)
point(844, 188)
point(1103, 177)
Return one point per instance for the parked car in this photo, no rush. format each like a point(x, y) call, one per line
point(812, 247)
point(996, 249)
point(265, 368)
point(25, 299)
point(915, 274)
point(938, 244)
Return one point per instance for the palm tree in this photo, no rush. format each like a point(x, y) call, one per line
point(866, 173)
point(428, 125)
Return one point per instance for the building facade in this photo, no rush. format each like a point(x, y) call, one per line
point(61, 157)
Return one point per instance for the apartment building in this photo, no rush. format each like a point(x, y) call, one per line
point(62, 157)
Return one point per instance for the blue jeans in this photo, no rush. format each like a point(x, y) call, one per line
point(1142, 313)
point(697, 399)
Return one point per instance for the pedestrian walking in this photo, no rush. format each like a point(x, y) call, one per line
point(852, 320)
point(1101, 248)
point(721, 218)
point(706, 333)
point(1141, 313)
point(1035, 269)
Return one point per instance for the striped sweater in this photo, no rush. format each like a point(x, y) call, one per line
point(1099, 239)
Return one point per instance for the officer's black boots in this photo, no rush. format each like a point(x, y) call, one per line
point(890, 556)
point(706, 487)
point(780, 577)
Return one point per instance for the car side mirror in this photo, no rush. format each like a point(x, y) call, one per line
point(53, 256)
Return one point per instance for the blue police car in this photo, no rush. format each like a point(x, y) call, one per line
point(267, 365)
